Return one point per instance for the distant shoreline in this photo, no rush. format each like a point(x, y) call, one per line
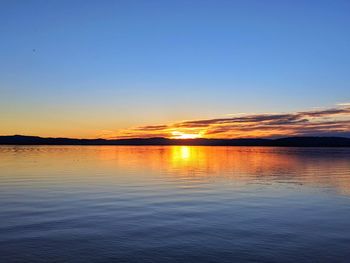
point(280, 142)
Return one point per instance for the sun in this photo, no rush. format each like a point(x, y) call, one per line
point(182, 135)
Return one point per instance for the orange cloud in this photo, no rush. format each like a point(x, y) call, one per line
point(325, 122)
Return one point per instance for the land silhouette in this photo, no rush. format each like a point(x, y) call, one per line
point(283, 142)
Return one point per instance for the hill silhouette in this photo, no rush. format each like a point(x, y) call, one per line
point(286, 142)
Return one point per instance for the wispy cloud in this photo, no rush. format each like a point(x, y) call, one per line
point(344, 104)
point(332, 121)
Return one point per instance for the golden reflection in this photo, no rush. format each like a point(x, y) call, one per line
point(315, 167)
point(295, 166)
point(181, 153)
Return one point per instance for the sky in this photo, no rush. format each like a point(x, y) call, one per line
point(144, 68)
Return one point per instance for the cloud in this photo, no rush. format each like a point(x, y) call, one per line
point(327, 112)
point(152, 127)
point(332, 121)
point(344, 104)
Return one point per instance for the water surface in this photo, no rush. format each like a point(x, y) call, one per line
point(174, 204)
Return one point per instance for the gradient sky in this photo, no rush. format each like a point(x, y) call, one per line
point(96, 68)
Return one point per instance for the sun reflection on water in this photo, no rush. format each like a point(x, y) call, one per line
point(317, 167)
point(181, 153)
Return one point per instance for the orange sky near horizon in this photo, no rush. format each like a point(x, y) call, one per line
point(328, 122)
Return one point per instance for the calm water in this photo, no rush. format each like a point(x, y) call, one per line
point(174, 204)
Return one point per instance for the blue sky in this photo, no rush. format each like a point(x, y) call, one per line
point(78, 67)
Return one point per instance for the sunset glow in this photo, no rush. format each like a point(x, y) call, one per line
point(334, 121)
point(182, 135)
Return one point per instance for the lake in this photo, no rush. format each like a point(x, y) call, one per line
point(174, 204)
